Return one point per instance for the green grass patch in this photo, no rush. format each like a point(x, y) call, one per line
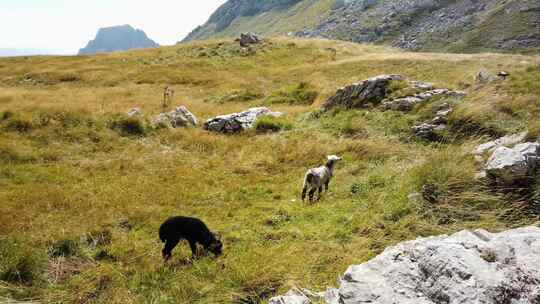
point(129, 126)
point(297, 94)
point(269, 124)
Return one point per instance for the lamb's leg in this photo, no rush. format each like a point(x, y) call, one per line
point(312, 194)
point(320, 193)
point(193, 246)
point(169, 246)
point(326, 185)
point(304, 191)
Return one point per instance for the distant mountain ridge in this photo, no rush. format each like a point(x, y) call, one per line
point(13, 52)
point(420, 25)
point(118, 38)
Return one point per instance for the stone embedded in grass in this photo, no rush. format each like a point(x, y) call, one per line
point(179, 117)
point(506, 141)
point(406, 104)
point(466, 267)
point(510, 165)
point(237, 122)
point(420, 85)
point(294, 296)
point(247, 39)
point(430, 130)
point(362, 94)
point(135, 112)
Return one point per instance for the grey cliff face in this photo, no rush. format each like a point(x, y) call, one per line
point(118, 38)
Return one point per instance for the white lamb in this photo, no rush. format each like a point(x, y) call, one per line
point(316, 178)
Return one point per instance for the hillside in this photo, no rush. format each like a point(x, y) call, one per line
point(84, 188)
point(419, 25)
point(117, 38)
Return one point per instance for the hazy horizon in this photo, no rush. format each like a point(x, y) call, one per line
point(65, 26)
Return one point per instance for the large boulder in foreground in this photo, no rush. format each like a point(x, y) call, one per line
point(466, 267)
point(361, 94)
point(179, 117)
point(237, 122)
point(511, 165)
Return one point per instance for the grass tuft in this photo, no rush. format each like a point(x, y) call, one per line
point(297, 94)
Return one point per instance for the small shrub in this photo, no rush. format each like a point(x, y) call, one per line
point(73, 119)
point(278, 219)
point(104, 255)
point(19, 264)
point(299, 94)
point(353, 129)
point(10, 154)
point(268, 124)
point(99, 237)
point(129, 126)
point(237, 96)
point(533, 132)
point(21, 125)
point(69, 78)
point(63, 248)
point(6, 115)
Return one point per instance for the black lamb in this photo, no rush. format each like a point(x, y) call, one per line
point(191, 229)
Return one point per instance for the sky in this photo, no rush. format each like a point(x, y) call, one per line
point(65, 26)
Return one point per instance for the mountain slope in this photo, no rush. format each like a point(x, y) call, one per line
point(421, 25)
point(118, 38)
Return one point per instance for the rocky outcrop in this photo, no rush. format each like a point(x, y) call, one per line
point(430, 130)
point(375, 91)
point(466, 267)
point(510, 165)
point(506, 141)
point(509, 159)
point(248, 39)
point(179, 117)
point(368, 92)
point(118, 38)
point(406, 104)
point(459, 25)
point(237, 122)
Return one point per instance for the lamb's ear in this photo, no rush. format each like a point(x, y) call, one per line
point(217, 236)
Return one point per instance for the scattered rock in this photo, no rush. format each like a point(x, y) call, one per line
point(135, 112)
point(180, 117)
point(237, 122)
point(506, 141)
point(406, 104)
point(419, 85)
point(248, 39)
point(466, 267)
point(485, 76)
point(294, 296)
point(511, 165)
point(361, 94)
point(430, 130)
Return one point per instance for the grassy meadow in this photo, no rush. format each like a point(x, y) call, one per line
point(84, 188)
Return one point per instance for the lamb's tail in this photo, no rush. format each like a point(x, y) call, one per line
point(307, 181)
